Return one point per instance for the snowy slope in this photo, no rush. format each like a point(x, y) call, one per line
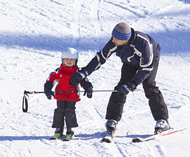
point(32, 35)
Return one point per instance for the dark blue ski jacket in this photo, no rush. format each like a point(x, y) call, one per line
point(140, 52)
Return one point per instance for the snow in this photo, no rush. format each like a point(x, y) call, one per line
point(32, 36)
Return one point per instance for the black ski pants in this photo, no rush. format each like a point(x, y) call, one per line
point(156, 101)
point(65, 112)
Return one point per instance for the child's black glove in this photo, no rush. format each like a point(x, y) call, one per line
point(88, 89)
point(49, 93)
point(47, 90)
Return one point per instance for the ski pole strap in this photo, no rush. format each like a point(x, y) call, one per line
point(24, 104)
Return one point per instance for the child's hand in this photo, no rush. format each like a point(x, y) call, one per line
point(89, 92)
point(49, 93)
point(47, 90)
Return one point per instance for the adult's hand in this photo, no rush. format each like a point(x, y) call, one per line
point(77, 77)
point(125, 89)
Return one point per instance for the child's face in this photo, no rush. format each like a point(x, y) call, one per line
point(70, 62)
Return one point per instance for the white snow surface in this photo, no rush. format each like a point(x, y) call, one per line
point(32, 36)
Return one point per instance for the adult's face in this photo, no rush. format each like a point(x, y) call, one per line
point(119, 42)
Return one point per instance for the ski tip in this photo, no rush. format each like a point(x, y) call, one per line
point(136, 140)
point(65, 139)
point(53, 138)
point(106, 140)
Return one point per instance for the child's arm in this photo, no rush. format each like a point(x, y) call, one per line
point(53, 76)
point(49, 83)
point(47, 90)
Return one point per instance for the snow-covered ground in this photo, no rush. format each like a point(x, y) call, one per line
point(32, 36)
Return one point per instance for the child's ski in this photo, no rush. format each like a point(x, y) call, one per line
point(57, 137)
point(67, 138)
point(54, 138)
point(167, 132)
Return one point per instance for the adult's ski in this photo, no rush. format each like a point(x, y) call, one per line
point(109, 137)
point(167, 132)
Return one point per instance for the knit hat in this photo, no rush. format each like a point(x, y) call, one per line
point(122, 31)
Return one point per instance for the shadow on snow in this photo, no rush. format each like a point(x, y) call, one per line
point(170, 41)
point(78, 136)
point(22, 138)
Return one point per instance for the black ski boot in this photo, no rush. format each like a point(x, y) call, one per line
point(111, 125)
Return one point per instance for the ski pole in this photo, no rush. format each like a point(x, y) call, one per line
point(25, 100)
point(37, 92)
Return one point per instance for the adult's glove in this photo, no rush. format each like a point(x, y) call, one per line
point(77, 77)
point(47, 90)
point(88, 89)
point(125, 89)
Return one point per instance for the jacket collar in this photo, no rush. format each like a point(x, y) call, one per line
point(71, 68)
point(133, 36)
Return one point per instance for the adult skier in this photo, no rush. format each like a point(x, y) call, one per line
point(140, 56)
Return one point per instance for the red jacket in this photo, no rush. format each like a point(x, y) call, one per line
point(62, 75)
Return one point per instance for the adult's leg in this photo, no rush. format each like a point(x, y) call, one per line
point(116, 102)
point(156, 101)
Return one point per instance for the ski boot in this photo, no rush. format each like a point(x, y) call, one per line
point(69, 136)
point(111, 129)
point(58, 134)
point(111, 126)
point(161, 125)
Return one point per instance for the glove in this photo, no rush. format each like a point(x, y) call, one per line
point(49, 93)
point(77, 77)
point(88, 89)
point(89, 92)
point(125, 89)
point(47, 90)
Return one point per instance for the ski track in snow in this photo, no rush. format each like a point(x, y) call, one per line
point(32, 35)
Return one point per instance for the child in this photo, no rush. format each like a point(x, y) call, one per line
point(65, 100)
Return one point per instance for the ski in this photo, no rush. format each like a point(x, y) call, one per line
point(109, 137)
point(152, 137)
point(57, 137)
point(67, 138)
point(54, 138)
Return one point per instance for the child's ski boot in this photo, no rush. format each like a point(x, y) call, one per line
point(58, 134)
point(69, 136)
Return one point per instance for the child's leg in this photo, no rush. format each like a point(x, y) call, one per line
point(59, 113)
point(70, 115)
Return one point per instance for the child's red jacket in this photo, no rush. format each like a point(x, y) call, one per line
point(62, 75)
